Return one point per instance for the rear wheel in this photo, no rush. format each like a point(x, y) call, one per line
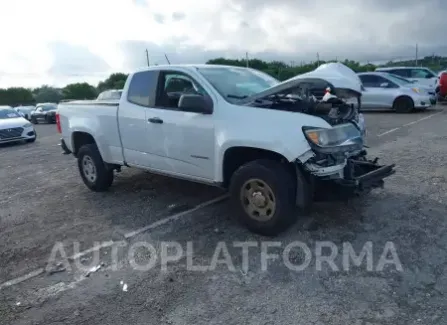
point(263, 195)
point(93, 170)
point(403, 105)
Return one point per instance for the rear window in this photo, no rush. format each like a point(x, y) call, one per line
point(142, 87)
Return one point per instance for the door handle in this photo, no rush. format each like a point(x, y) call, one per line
point(156, 120)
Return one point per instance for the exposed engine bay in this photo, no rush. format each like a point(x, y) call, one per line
point(336, 106)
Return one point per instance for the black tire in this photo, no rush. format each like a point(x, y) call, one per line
point(403, 105)
point(103, 175)
point(282, 184)
point(34, 120)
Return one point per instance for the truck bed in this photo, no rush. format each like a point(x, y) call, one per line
point(101, 116)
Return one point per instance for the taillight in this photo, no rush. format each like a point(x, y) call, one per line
point(58, 123)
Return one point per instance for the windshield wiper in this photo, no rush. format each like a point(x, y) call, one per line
point(236, 96)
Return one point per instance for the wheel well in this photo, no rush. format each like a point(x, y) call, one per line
point(79, 139)
point(235, 157)
point(403, 97)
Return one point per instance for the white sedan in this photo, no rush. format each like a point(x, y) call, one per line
point(14, 127)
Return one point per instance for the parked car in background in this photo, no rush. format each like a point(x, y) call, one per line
point(383, 90)
point(25, 111)
point(442, 92)
point(45, 112)
point(14, 127)
point(112, 94)
point(413, 83)
point(423, 75)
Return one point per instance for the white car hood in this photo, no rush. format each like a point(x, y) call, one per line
point(336, 74)
point(15, 122)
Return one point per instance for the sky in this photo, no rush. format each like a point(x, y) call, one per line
point(56, 42)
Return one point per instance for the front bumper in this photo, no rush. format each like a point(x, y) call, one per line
point(17, 134)
point(355, 172)
point(423, 101)
point(362, 174)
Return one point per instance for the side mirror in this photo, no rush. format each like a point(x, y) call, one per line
point(195, 103)
point(384, 85)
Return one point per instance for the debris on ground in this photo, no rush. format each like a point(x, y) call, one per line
point(93, 270)
point(124, 286)
point(58, 268)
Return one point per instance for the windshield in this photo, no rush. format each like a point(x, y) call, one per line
point(47, 107)
point(398, 81)
point(6, 113)
point(237, 83)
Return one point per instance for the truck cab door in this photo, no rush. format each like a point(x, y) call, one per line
point(132, 122)
point(183, 142)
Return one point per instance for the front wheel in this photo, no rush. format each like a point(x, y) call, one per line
point(403, 105)
point(33, 120)
point(94, 172)
point(263, 195)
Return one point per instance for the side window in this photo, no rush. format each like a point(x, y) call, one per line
point(401, 72)
point(370, 81)
point(173, 85)
point(421, 73)
point(141, 88)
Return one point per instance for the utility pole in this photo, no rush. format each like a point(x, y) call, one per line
point(147, 57)
point(246, 59)
point(416, 62)
point(318, 59)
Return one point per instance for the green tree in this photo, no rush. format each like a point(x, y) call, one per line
point(46, 93)
point(79, 91)
point(16, 96)
point(114, 81)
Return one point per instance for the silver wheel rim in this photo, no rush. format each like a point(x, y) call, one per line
point(89, 169)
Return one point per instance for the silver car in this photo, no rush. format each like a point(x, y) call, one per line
point(413, 83)
point(422, 75)
point(383, 90)
point(25, 111)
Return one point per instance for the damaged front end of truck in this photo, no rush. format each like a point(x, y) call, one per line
point(337, 157)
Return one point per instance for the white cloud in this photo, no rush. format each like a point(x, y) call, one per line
point(61, 41)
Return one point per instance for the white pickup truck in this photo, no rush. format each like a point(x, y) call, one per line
point(272, 144)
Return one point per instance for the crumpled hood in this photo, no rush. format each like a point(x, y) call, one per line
point(12, 122)
point(336, 74)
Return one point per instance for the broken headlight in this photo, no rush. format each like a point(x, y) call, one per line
point(342, 137)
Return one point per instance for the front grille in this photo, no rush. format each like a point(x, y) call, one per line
point(10, 133)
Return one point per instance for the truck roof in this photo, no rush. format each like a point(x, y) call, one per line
point(187, 66)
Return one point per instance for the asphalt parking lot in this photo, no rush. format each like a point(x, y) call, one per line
point(43, 201)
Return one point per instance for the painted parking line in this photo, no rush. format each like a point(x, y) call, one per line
point(408, 124)
point(111, 243)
